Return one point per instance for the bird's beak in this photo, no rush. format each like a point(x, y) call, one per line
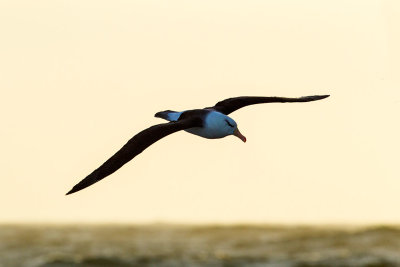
point(239, 135)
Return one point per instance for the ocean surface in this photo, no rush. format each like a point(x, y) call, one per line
point(174, 245)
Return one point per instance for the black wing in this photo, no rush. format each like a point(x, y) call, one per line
point(134, 147)
point(231, 104)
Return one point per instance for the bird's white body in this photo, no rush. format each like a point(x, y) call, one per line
point(216, 125)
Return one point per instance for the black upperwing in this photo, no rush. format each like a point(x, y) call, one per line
point(229, 105)
point(134, 147)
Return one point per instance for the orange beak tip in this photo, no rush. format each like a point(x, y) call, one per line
point(239, 135)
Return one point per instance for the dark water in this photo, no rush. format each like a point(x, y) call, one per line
point(228, 246)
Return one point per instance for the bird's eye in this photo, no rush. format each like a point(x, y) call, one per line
point(229, 123)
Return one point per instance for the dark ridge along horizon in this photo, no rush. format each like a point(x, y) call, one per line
point(211, 122)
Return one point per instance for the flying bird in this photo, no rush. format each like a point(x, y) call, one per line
point(211, 122)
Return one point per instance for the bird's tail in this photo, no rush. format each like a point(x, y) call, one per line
point(168, 115)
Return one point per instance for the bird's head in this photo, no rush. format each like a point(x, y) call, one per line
point(232, 129)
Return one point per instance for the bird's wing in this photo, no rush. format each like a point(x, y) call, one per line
point(134, 147)
point(229, 105)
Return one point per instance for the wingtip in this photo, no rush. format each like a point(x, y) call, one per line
point(73, 190)
point(316, 97)
point(323, 97)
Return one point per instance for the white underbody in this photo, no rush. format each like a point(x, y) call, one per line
point(206, 133)
point(215, 125)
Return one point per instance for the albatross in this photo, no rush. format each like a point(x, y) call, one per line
point(211, 122)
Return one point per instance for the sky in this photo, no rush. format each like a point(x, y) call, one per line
point(80, 78)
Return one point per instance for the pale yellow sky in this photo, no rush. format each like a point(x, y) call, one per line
point(79, 78)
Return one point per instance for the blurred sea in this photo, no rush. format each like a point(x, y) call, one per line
point(192, 246)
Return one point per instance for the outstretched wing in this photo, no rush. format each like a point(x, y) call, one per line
point(229, 105)
point(134, 147)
